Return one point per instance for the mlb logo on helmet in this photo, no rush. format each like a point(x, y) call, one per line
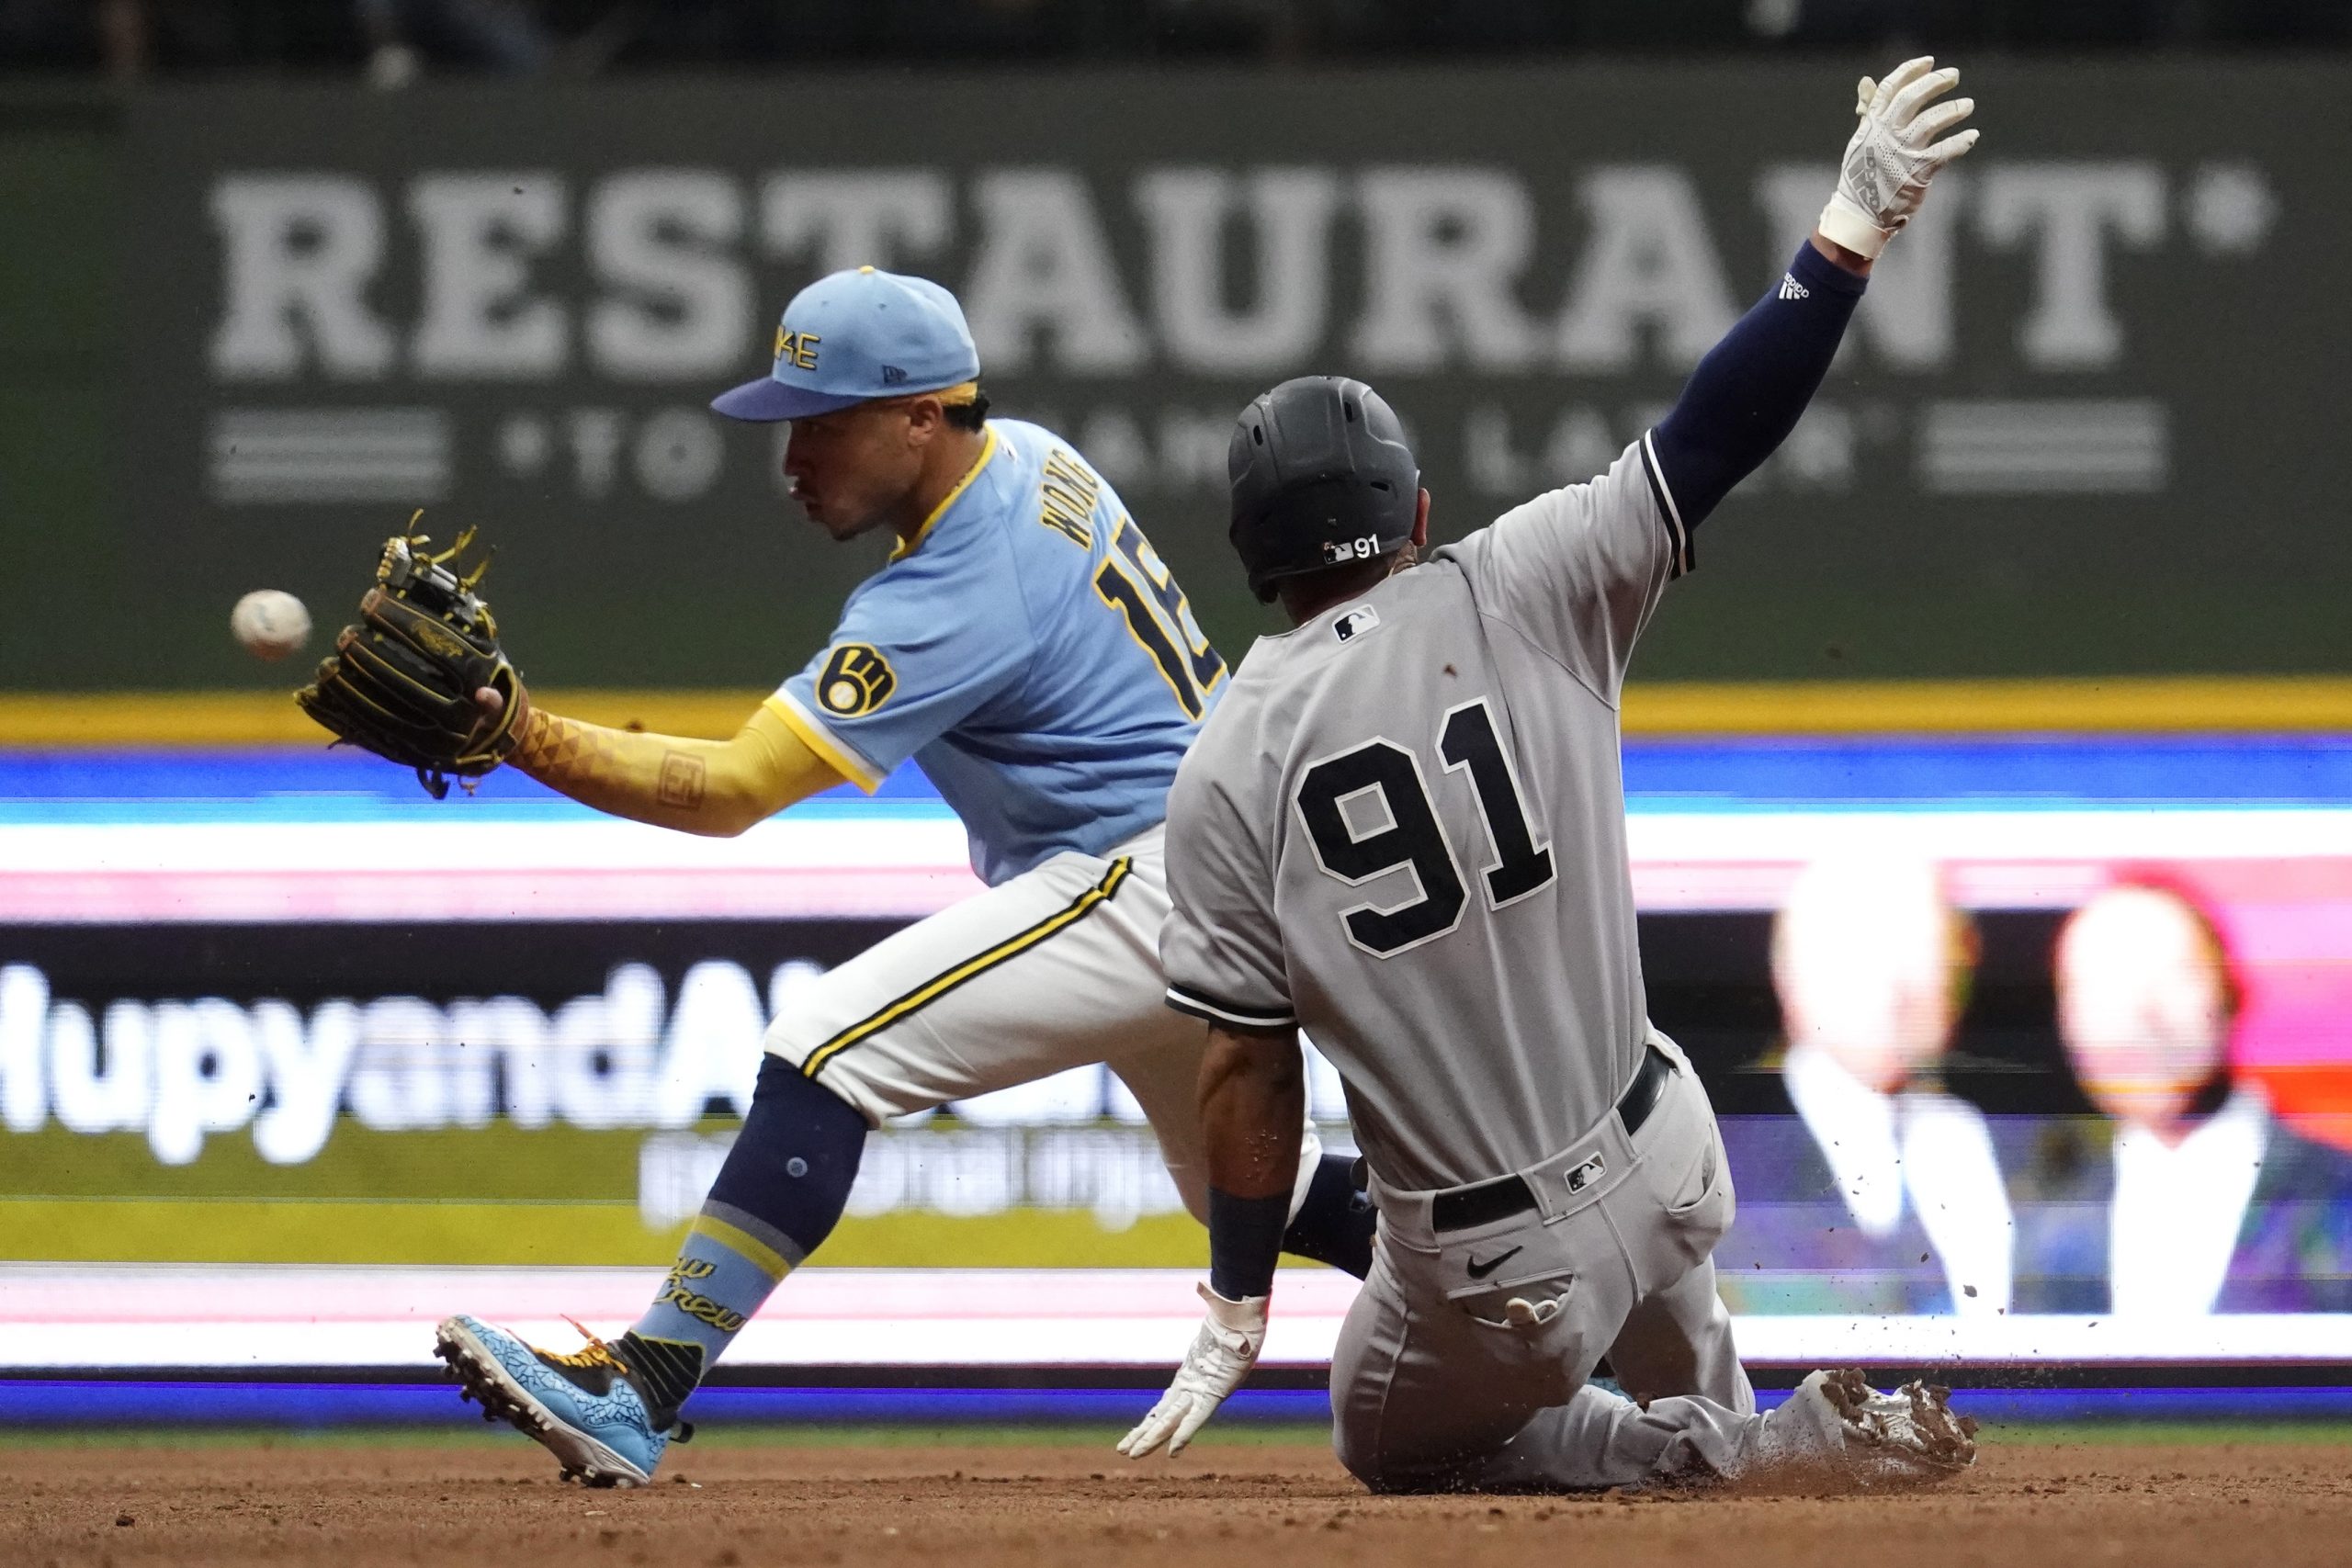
point(883, 335)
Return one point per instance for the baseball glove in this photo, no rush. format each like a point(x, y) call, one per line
point(401, 680)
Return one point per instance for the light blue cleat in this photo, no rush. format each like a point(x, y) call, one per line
point(583, 1408)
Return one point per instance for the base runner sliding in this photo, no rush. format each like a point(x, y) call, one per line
point(1404, 832)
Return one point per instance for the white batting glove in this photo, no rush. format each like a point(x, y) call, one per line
point(1223, 1352)
point(1895, 154)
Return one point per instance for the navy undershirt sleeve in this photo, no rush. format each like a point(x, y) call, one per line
point(1750, 389)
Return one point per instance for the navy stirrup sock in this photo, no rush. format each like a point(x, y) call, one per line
point(778, 1196)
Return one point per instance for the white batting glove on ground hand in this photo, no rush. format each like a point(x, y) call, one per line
point(1895, 154)
point(1222, 1354)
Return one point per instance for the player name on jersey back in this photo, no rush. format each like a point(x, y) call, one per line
point(1030, 650)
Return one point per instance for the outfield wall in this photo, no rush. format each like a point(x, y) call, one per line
point(2087, 425)
point(235, 1033)
point(2088, 422)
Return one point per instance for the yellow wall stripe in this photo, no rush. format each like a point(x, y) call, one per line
point(270, 719)
point(103, 1230)
point(2132, 704)
point(766, 1258)
point(931, 990)
point(1764, 707)
point(822, 741)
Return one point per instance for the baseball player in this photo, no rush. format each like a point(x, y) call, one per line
point(1404, 832)
point(1029, 648)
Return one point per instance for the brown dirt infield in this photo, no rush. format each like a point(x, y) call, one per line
point(1010, 1507)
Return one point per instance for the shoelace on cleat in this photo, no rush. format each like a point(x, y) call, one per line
point(595, 1353)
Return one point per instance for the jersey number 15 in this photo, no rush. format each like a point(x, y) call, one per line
point(1190, 667)
point(1381, 770)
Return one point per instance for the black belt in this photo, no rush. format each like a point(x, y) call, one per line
point(1498, 1200)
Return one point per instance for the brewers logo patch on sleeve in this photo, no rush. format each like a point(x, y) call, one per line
point(855, 682)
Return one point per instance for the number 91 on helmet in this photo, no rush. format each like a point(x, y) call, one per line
point(1320, 476)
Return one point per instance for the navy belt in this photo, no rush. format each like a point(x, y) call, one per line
point(1498, 1200)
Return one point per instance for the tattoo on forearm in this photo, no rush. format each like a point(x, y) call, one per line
point(563, 750)
point(682, 780)
point(576, 758)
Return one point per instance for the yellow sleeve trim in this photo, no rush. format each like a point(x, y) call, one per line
point(909, 547)
point(818, 739)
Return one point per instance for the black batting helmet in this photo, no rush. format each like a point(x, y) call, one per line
point(1320, 476)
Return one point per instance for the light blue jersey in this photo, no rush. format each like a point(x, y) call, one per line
point(1030, 650)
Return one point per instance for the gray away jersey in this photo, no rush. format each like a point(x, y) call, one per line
point(1405, 830)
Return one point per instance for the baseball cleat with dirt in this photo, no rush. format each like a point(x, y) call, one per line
point(1835, 1422)
point(1911, 1430)
point(581, 1407)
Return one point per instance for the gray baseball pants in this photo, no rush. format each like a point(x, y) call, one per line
point(1436, 1385)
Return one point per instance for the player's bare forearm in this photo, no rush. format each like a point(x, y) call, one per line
point(1852, 261)
point(716, 788)
point(1253, 1097)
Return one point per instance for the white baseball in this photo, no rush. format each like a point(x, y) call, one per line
point(271, 623)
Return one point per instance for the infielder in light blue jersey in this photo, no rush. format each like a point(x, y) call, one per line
point(1029, 650)
point(1026, 647)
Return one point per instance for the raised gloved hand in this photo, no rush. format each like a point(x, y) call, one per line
point(1895, 154)
point(1221, 1356)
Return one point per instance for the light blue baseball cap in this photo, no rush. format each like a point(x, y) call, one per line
point(856, 335)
